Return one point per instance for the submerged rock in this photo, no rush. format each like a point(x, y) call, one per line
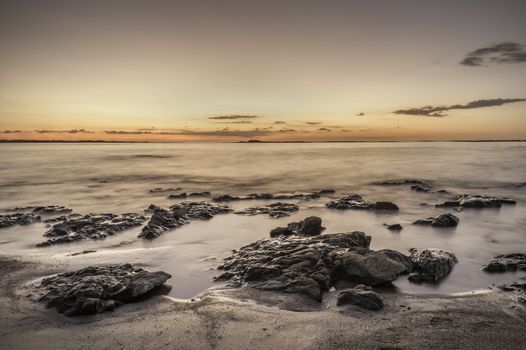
point(443, 220)
point(161, 190)
point(93, 290)
point(200, 194)
point(278, 196)
point(309, 265)
point(310, 226)
point(177, 195)
point(362, 296)
point(177, 215)
point(475, 201)
point(92, 226)
point(506, 262)
point(275, 210)
point(394, 227)
point(356, 201)
point(421, 188)
point(22, 219)
point(431, 265)
point(404, 182)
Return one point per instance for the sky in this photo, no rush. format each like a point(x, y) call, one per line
point(214, 70)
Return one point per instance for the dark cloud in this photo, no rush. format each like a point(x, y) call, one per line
point(236, 122)
point(366, 130)
point(284, 130)
point(505, 52)
point(12, 131)
point(233, 117)
point(123, 132)
point(72, 131)
point(439, 111)
point(324, 129)
point(279, 122)
point(361, 114)
point(313, 123)
point(346, 130)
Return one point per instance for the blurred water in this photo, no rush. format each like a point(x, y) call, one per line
point(117, 178)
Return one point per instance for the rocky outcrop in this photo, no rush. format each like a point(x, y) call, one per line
point(51, 210)
point(362, 296)
point(163, 220)
point(278, 196)
point(310, 226)
point(92, 226)
point(431, 265)
point(506, 262)
point(309, 265)
point(274, 210)
point(22, 219)
point(475, 201)
point(93, 290)
point(356, 201)
point(443, 220)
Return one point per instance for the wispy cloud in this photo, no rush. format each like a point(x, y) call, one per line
point(235, 122)
point(313, 123)
point(71, 131)
point(279, 122)
point(439, 111)
point(505, 52)
point(13, 131)
point(233, 117)
point(324, 129)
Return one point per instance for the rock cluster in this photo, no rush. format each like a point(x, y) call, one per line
point(93, 290)
point(356, 201)
point(475, 201)
point(431, 265)
point(267, 196)
point(506, 262)
point(310, 226)
point(185, 195)
point(362, 296)
point(92, 226)
point(274, 210)
point(9, 220)
point(443, 220)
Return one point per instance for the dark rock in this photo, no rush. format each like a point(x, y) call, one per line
point(161, 190)
point(177, 215)
point(267, 196)
point(404, 182)
point(443, 220)
point(431, 265)
point(177, 195)
point(310, 226)
point(475, 201)
point(394, 227)
point(515, 286)
point(62, 218)
point(275, 210)
point(82, 252)
point(51, 210)
point(199, 194)
point(399, 257)
point(94, 290)
point(309, 265)
point(356, 201)
point(385, 206)
point(420, 188)
point(9, 220)
point(92, 226)
point(506, 262)
point(361, 296)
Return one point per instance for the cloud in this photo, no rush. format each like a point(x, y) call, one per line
point(505, 52)
point(279, 122)
point(324, 129)
point(12, 131)
point(346, 130)
point(236, 122)
point(439, 111)
point(123, 132)
point(285, 130)
point(313, 123)
point(361, 114)
point(72, 131)
point(225, 132)
point(233, 117)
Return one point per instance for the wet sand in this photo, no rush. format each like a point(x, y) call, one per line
point(223, 318)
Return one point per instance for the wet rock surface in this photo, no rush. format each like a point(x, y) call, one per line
point(274, 210)
point(311, 265)
point(161, 189)
point(91, 226)
point(515, 286)
point(431, 265)
point(310, 226)
point(443, 220)
point(62, 218)
point(163, 220)
point(362, 296)
point(178, 195)
point(93, 290)
point(475, 201)
point(200, 194)
point(394, 227)
point(404, 182)
point(356, 201)
point(278, 196)
point(8, 220)
point(506, 262)
point(51, 210)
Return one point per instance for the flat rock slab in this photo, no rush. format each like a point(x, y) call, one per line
point(506, 262)
point(431, 265)
point(22, 219)
point(274, 210)
point(443, 220)
point(475, 201)
point(91, 227)
point(278, 196)
point(97, 289)
point(361, 296)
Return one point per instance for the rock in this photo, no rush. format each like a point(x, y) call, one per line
point(515, 286)
point(404, 182)
point(309, 265)
point(275, 210)
point(310, 226)
point(93, 290)
point(22, 219)
point(361, 296)
point(431, 265)
point(199, 194)
point(177, 195)
point(356, 201)
point(420, 188)
point(506, 262)
point(443, 220)
point(163, 220)
point(161, 190)
point(267, 196)
point(475, 201)
point(62, 218)
point(92, 226)
point(399, 257)
point(394, 227)
point(51, 210)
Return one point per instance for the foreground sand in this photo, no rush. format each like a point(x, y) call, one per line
point(245, 319)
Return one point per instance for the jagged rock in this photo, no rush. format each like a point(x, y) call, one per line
point(356, 201)
point(92, 226)
point(443, 220)
point(278, 196)
point(177, 215)
point(309, 265)
point(475, 201)
point(506, 262)
point(361, 296)
point(310, 226)
point(177, 195)
point(62, 218)
point(515, 286)
point(9, 220)
point(275, 210)
point(431, 265)
point(93, 290)
point(394, 227)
